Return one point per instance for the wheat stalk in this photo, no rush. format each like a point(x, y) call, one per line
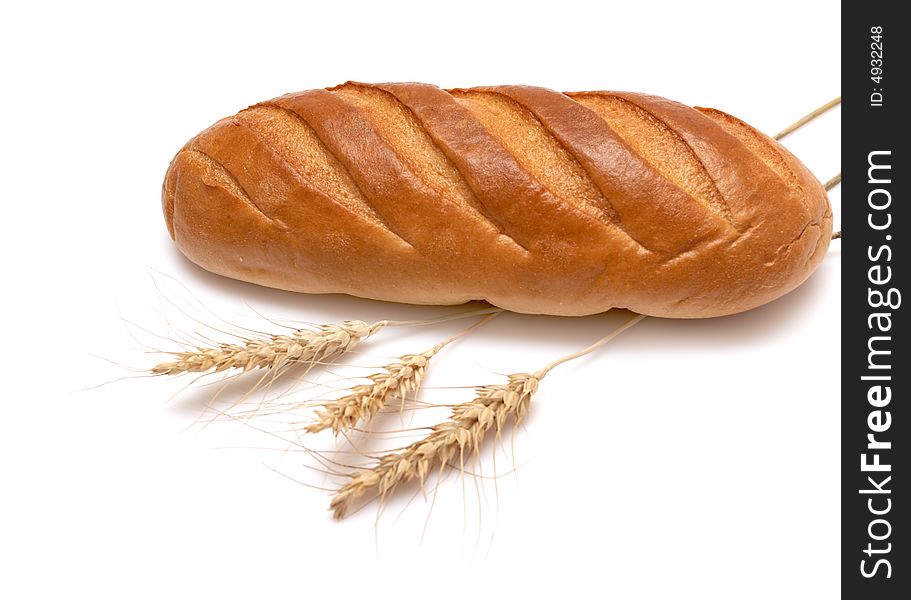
point(364, 401)
point(312, 346)
point(459, 436)
point(274, 352)
point(807, 118)
point(396, 381)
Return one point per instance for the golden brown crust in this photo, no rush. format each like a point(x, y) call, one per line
point(537, 201)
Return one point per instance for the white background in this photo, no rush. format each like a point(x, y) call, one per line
point(686, 460)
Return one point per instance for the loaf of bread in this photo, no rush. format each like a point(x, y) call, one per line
point(534, 200)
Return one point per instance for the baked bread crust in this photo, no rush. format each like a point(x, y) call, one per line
point(536, 201)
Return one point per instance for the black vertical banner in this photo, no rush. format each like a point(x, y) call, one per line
point(875, 369)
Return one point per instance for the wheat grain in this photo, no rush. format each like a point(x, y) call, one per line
point(274, 352)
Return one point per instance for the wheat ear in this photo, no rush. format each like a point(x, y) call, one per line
point(398, 380)
point(274, 352)
point(312, 346)
point(459, 436)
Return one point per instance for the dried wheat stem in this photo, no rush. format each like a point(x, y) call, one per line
point(807, 118)
point(828, 187)
point(490, 310)
point(629, 323)
point(458, 437)
point(398, 380)
point(274, 352)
